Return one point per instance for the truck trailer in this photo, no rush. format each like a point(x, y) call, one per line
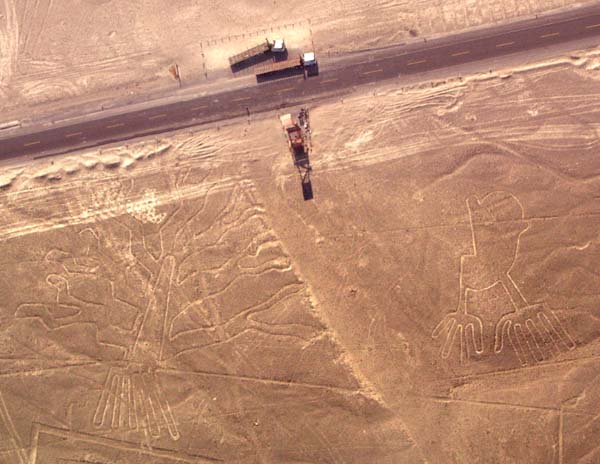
point(306, 63)
point(297, 132)
point(275, 46)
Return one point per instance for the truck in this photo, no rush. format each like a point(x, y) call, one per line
point(295, 138)
point(297, 133)
point(275, 46)
point(306, 63)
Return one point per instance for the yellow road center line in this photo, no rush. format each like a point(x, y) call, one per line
point(157, 116)
point(551, 34)
point(74, 134)
point(505, 44)
point(592, 26)
point(412, 63)
point(466, 52)
point(373, 71)
point(199, 107)
point(31, 143)
point(118, 124)
point(287, 89)
point(242, 99)
point(328, 80)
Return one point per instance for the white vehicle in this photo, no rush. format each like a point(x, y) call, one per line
point(309, 59)
point(278, 46)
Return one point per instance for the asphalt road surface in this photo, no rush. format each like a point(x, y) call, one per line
point(338, 75)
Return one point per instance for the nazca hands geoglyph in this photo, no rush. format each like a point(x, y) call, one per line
point(467, 327)
point(534, 332)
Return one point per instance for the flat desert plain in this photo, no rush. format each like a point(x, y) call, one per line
point(175, 299)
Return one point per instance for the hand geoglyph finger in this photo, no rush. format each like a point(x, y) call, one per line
point(463, 330)
point(534, 333)
point(474, 334)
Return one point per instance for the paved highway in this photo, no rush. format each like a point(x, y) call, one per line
point(341, 74)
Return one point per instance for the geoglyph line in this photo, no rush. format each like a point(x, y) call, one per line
point(10, 426)
point(111, 444)
point(533, 331)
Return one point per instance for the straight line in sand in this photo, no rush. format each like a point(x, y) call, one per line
point(373, 71)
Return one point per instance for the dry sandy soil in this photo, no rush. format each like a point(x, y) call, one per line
point(177, 301)
point(54, 54)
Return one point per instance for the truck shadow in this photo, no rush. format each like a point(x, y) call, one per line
point(252, 61)
point(307, 191)
point(312, 70)
point(281, 56)
point(298, 71)
point(304, 169)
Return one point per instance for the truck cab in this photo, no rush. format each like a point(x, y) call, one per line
point(278, 46)
point(309, 63)
point(309, 59)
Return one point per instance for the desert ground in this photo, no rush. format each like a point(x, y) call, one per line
point(58, 54)
point(176, 300)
